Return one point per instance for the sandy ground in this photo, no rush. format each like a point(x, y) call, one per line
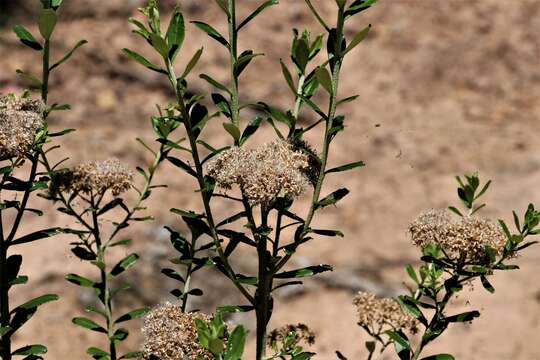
point(446, 87)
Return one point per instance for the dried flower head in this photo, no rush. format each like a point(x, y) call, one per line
point(171, 334)
point(96, 177)
point(20, 119)
point(272, 170)
point(462, 239)
point(380, 314)
point(301, 334)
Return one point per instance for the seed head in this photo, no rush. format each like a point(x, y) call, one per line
point(462, 239)
point(380, 314)
point(96, 177)
point(272, 170)
point(170, 334)
point(20, 119)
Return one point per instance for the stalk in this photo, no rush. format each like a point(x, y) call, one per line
point(263, 289)
point(332, 107)
point(200, 179)
point(233, 42)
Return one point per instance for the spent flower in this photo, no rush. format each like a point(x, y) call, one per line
point(272, 170)
point(171, 334)
point(96, 177)
point(463, 239)
point(20, 119)
point(378, 314)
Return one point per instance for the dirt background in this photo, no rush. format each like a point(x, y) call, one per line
point(446, 87)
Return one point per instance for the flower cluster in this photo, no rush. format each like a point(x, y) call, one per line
point(20, 119)
point(464, 239)
point(302, 334)
point(272, 170)
point(171, 334)
point(96, 177)
point(379, 314)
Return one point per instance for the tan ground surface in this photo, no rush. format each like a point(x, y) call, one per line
point(446, 87)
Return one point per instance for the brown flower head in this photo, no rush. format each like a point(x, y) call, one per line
point(20, 119)
point(272, 170)
point(302, 334)
point(464, 238)
point(380, 314)
point(170, 334)
point(96, 177)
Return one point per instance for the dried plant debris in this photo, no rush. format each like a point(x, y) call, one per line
point(20, 119)
point(379, 314)
point(272, 170)
point(463, 239)
point(171, 334)
point(96, 178)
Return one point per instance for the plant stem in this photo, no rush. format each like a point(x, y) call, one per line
point(107, 302)
point(264, 285)
point(5, 343)
point(45, 80)
point(202, 186)
point(332, 107)
point(233, 43)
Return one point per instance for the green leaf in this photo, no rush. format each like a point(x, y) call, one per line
point(36, 302)
point(251, 128)
point(278, 115)
point(119, 335)
point(88, 324)
point(160, 45)
point(325, 232)
point(346, 167)
point(143, 61)
point(176, 33)
point(324, 78)
point(439, 357)
point(47, 22)
point(303, 356)
point(34, 81)
point(288, 77)
point(243, 61)
point(79, 280)
point(192, 63)
point(215, 83)
point(132, 355)
point(412, 273)
point(358, 38)
point(26, 37)
point(332, 198)
point(463, 317)
point(133, 314)
point(182, 165)
point(486, 284)
point(398, 338)
point(232, 130)
point(30, 350)
point(304, 272)
point(68, 55)
point(213, 33)
point(124, 264)
point(38, 235)
point(236, 344)
point(234, 309)
point(256, 12)
point(358, 6)
point(97, 353)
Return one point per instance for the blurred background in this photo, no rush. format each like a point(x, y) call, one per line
point(446, 87)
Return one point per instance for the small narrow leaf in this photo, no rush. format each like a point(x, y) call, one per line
point(47, 22)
